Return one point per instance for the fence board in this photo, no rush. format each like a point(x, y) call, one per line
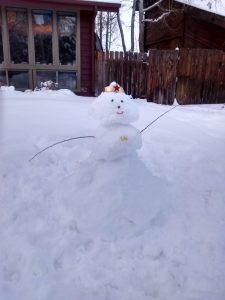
point(193, 76)
point(201, 76)
point(161, 83)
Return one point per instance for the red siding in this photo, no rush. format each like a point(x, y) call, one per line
point(87, 52)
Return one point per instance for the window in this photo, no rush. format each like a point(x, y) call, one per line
point(42, 28)
point(3, 78)
point(43, 76)
point(19, 79)
point(66, 24)
point(67, 80)
point(38, 45)
point(1, 45)
point(18, 35)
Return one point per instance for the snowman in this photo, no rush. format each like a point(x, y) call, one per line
point(116, 137)
point(112, 195)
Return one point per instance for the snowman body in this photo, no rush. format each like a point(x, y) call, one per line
point(115, 194)
point(116, 137)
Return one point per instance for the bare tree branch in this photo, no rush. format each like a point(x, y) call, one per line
point(153, 5)
point(162, 16)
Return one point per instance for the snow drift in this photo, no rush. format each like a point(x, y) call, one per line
point(146, 226)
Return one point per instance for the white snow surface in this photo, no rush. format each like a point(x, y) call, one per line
point(213, 6)
point(114, 108)
point(115, 137)
point(105, 1)
point(146, 226)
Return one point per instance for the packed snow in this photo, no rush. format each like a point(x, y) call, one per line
point(75, 225)
point(116, 137)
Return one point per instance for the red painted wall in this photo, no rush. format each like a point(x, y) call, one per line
point(87, 52)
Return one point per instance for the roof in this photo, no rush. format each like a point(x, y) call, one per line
point(213, 6)
point(104, 5)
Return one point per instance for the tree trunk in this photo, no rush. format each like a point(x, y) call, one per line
point(132, 25)
point(100, 27)
point(121, 32)
point(107, 33)
point(141, 27)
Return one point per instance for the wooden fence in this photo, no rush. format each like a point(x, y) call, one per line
point(192, 76)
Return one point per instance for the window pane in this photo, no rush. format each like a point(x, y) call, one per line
point(2, 78)
point(19, 79)
point(1, 46)
point(67, 80)
point(18, 35)
point(67, 25)
point(43, 76)
point(42, 27)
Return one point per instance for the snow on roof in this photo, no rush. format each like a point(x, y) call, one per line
point(213, 6)
point(105, 1)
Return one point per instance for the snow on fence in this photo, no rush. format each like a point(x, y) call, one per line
point(193, 76)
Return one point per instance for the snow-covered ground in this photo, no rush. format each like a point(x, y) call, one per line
point(130, 229)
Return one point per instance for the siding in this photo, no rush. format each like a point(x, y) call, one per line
point(87, 52)
point(203, 34)
point(185, 27)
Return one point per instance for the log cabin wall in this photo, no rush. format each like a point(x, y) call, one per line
point(185, 27)
point(203, 30)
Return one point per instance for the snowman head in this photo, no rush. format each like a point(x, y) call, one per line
point(113, 106)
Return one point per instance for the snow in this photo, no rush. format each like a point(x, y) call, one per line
point(105, 1)
point(146, 226)
point(115, 137)
point(115, 108)
point(214, 6)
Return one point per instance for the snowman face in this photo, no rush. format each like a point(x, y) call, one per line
point(115, 108)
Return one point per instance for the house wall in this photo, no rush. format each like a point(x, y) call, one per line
point(84, 65)
point(161, 35)
point(87, 52)
point(200, 32)
point(185, 27)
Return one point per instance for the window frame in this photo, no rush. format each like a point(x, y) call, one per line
point(31, 67)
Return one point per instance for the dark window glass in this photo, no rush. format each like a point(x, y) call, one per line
point(1, 46)
point(67, 80)
point(18, 35)
point(19, 79)
point(42, 28)
point(2, 78)
point(67, 27)
point(43, 76)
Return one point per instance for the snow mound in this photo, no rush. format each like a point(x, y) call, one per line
point(147, 225)
point(115, 199)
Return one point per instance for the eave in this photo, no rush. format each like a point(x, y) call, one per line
point(79, 4)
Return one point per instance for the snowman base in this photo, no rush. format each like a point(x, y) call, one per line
point(115, 142)
point(115, 199)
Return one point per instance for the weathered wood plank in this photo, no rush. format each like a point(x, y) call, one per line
point(193, 76)
point(161, 83)
point(200, 76)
